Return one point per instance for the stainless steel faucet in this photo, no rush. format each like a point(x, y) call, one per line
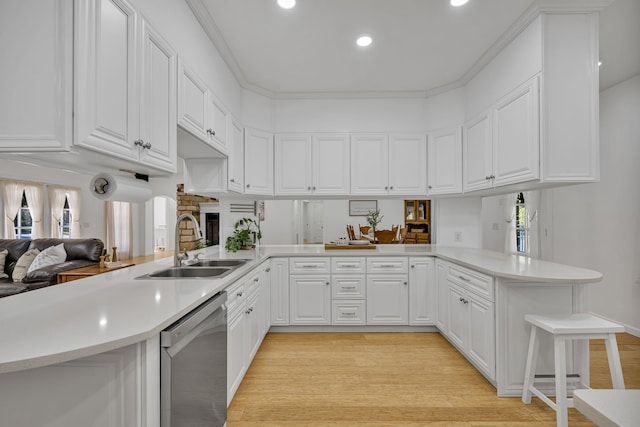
point(177, 256)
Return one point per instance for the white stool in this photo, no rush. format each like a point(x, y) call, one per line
point(566, 328)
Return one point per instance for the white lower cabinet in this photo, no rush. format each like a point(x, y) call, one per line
point(441, 298)
point(310, 299)
point(470, 323)
point(246, 329)
point(348, 312)
point(279, 300)
point(421, 291)
point(387, 299)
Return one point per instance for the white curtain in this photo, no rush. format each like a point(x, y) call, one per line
point(73, 197)
point(33, 194)
point(57, 195)
point(118, 230)
point(509, 206)
point(12, 203)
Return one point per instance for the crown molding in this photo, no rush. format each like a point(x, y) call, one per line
point(535, 9)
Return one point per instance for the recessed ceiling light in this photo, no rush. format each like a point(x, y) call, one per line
point(457, 3)
point(286, 4)
point(364, 41)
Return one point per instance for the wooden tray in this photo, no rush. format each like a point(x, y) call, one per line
point(329, 246)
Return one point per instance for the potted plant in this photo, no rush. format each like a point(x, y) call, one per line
point(243, 231)
point(374, 218)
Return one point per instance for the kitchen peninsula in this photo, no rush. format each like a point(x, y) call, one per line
point(97, 338)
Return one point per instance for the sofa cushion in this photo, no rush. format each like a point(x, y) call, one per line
point(20, 270)
point(3, 258)
point(16, 248)
point(52, 255)
point(89, 249)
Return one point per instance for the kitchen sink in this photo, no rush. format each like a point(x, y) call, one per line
point(218, 263)
point(188, 272)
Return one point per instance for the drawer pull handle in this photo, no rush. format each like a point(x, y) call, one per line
point(347, 266)
point(462, 300)
point(466, 279)
point(387, 266)
point(348, 287)
point(309, 266)
point(349, 314)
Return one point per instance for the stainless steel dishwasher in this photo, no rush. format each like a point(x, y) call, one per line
point(193, 365)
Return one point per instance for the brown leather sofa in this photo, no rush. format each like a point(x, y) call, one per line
point(80, 253)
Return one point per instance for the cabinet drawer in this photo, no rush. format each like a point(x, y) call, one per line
point(387, 265)
point(236, 294)
point(348, 286)
point(252, 283)
point(348, 265)
point(475, 282)
point(309, 265)
point(348, 312)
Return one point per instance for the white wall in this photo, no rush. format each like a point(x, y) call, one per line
point(597, 226)
point(458, 215)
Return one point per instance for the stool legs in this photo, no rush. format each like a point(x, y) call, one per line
point(614, 361)
point(560, 350)
point(530, 369)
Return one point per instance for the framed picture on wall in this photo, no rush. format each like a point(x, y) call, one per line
point(362, 207)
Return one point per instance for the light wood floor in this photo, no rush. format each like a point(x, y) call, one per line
point(390, 379)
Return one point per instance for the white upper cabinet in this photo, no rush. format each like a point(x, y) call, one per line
point(307, 164)
point(158, 101)
point(199, 110)
point(236, 157)
point(36, 76)
point(125, 86)
point(388, 165)
point(258, 162)
point(444, 156)
point(192, 102)
point(502, 145)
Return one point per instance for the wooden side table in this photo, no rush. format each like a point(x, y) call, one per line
point(91, 270)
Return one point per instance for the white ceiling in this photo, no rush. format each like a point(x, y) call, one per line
point(420, 47)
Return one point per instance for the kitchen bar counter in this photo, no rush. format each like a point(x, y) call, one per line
point(110, 311)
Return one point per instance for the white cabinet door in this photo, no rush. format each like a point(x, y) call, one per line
point(107, 110)
point(254, 325)
point(292, 165)
point(265, 296)
point(310, 299)
point(331, 164)
point(445, 162)
point(458, 316)
point(158, 102)
point(236, 351)
point(516, 136)
point(477, 153)
point(407, 165)
point(480, 346)
point(369, 164)
point(192, 102)
point(421, 291)
point(387, 299)
point(258, 162)
point(442, 297)
point(217, 125)
point(36, 76)
point(235, 161)
point(280, 291)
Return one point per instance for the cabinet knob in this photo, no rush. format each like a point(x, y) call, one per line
point(327, 283)
point(146, 145)
point(232, 180)
point(314, 188)
point(430, 187)
point(413, 266)
point(209, 131)
point(391, 188)
point(386, 188)
point(309, 188)
point(213, 132)
point(239, 294)
point(492, 176)
point(405, 283)
point(138, 142)
point(256, 279)
point(248, 185)
point(268, 269)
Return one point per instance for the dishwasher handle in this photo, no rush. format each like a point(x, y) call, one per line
point(180, 329)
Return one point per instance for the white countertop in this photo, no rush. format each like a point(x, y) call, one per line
point(109, 311)
point(609, 408)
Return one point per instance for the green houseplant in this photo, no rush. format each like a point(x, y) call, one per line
point(374, 218)
point(242, 237)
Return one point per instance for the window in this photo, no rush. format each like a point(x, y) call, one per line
point(522, 225)
point(64, 224)
point(23, 221)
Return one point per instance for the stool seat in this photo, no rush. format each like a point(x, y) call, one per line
point(566, 328)
point(579, 323)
